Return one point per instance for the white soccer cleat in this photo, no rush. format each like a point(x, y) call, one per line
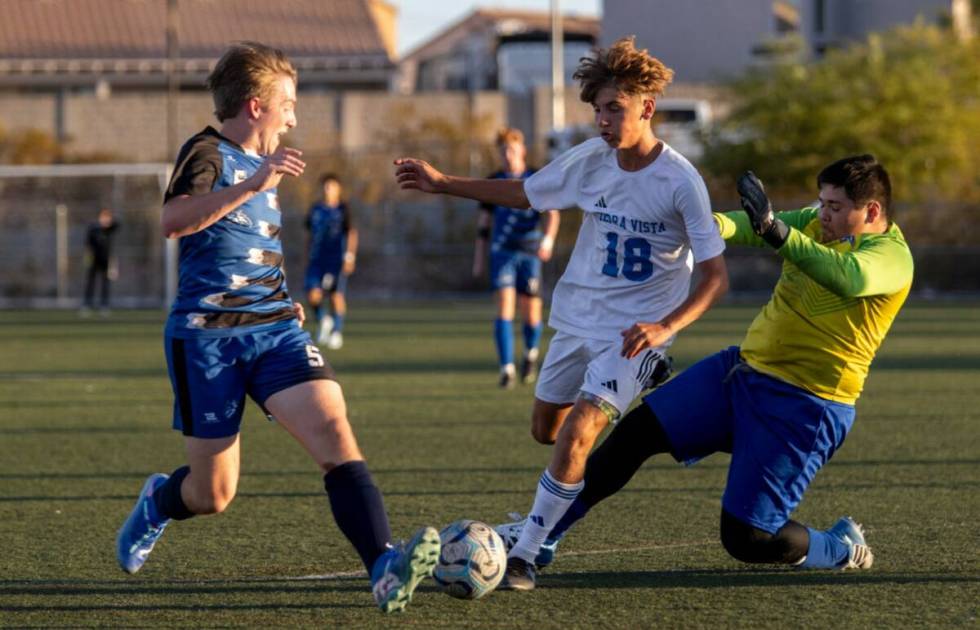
point(335, 341)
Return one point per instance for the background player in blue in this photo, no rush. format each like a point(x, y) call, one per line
point(233, 330)
point(520, 240)
point(332, 252)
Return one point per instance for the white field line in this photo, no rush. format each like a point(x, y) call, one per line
point(343, 575)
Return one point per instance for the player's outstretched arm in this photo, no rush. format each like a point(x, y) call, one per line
point(187, 214)
point(416, 174)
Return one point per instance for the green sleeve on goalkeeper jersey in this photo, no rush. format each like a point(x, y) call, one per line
point(877, 264)
point(736, 228)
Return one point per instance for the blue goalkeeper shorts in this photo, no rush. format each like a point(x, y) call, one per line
point(779, 435)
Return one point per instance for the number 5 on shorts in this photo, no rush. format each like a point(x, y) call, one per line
point(314, 357)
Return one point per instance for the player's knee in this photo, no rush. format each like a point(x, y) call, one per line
point(744, 542)
point(543, 433)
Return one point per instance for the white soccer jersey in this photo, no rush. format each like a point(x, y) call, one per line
point(640, 236)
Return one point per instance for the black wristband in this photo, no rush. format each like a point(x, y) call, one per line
point(776, 234)
point(483, 233)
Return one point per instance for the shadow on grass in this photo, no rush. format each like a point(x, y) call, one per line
point(277, 589)
point(739, 578)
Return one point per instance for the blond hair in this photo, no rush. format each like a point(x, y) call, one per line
point(508, 135)
point(245, 71)
point(623, 67)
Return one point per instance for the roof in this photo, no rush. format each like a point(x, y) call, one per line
point(136, 29)
point(505, 22)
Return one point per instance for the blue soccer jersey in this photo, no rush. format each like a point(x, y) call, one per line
point(328, 226)
point(230, 274)
point(514, 230)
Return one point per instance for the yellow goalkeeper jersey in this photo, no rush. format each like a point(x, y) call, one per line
point(832, 306)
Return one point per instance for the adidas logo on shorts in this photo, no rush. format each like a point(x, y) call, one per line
point(611, 386)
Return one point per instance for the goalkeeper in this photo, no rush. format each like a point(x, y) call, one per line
point(782, 402)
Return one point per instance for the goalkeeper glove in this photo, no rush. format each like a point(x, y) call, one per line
point(756, 204)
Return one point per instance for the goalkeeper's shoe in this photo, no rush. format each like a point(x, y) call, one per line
point(859, 555)
point(142, 529)
point(511, 532)
point(399, 570)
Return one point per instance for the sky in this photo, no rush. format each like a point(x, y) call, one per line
point(418, 20)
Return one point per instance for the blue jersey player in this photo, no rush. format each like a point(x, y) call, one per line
point(332, 253)
point(520, 240)
point(233, 330)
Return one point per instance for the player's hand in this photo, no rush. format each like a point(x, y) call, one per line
point(300, 312)
point(285, 161)
point(546, 248)
point(756, 204)
point(348, 267)
point(415, 174)
point(641, 336)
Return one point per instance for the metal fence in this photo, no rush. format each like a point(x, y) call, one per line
point(411, 245)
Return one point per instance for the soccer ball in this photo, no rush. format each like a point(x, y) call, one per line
point(472, 560)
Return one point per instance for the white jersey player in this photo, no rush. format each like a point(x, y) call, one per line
point(624, 294)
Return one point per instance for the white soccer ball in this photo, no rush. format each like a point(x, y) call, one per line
point(472, 560)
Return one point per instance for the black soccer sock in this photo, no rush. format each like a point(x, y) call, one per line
point(167, 499)
point(358, 509)
point(636, 438)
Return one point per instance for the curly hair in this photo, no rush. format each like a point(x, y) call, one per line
point(624, 67)
point(246, 70)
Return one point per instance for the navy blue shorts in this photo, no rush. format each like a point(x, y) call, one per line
point(778, 434)
point(211, 376)
point(519, 270)
point(330, 279)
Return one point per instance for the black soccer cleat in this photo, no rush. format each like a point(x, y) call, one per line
point(529, 371)
point(519, 575)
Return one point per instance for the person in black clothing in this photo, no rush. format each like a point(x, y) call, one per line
point(98, 240)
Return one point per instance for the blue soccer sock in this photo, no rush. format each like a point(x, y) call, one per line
point(318, 312)
point(167, 501)
point(825, 551)
point(358, 509)
point(503, 336)
point(532, 336)
point(551, 501)
point(338, 322)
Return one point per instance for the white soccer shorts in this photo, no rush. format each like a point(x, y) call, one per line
point(575, 365)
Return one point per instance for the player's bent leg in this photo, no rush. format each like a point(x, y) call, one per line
point(751, 544)
point(206, 490)
point(212, 482)
point(503, 335)
point(557, 489)
point(315, 413)
point(547, 419)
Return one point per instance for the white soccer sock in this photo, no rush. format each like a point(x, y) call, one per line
point(550, 503)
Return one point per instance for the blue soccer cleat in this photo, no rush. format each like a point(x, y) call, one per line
point(399, 570)
point(859, 555)
point(139, 533)
point(511, 532)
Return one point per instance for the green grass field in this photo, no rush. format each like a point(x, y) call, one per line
point(85, 411)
